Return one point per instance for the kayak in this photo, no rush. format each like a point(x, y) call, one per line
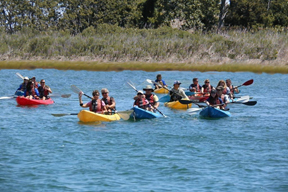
point(214, 112)
point(161, 91)
point(139, 113)
point(166, 98)
point(24, 101)
point(199, 97)
point(177, 105)
point(89, 116)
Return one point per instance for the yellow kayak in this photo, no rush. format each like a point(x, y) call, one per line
point(177, 105)
point(88, 116)
point(161, 91)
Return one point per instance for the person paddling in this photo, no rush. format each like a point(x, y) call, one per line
point(31, 92)
point(233, 89)
point(223, 97)
point(176, 93)
point(23, 85)
point(44, 90)
point(214, 100)
point(226, 90)
point(160, 81)
point(195, 87)
point(141, 101)
point(95, 105)
point(152, 99)
point(110, 103)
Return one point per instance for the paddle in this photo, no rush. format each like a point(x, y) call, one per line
point(249, 82)
point(64, 114)
point(77, 90)
point(123, 114)
point(8, 97)
point(133, 87)
point(245, 103)
point(186, 102)
point(19, 75)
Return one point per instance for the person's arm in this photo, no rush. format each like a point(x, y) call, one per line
point(156, 100)
point(36, 96)
point(81, 102)
point(183, 95)
point(113, 105)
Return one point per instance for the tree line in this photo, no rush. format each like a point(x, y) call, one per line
point(204, 15)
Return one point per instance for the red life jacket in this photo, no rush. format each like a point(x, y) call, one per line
point(42, 92)
point(207, 88)
point(150, 99)
point(142, 103)
point(96, 106)
point(231, 89)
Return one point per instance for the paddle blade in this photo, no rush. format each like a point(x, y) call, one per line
point(19, 75)
point(249, 82)
point(10, 97)
point(66, 95)
point(149, 81)
point(76, 89)
point(193, 110)
point(251, 103)
point(185, 102)
point(125, 115)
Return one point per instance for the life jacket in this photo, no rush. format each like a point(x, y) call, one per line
point(225, 91)
point(36, 85)
point(197, 87)
point(150, 99)
point(43, 92)
point(213, 101)
point(96, 105)
point(142, 103)
point(231, 89)
point(108, 101)
point(31, 92)
point(207, 88)
point(174, 96)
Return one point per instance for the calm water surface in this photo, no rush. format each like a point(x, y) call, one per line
point(246, 152)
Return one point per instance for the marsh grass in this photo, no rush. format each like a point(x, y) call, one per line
point(114, 48)
point(118, 66)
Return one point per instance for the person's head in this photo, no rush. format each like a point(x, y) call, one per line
point(222, 83)
point(148, 89)
point(228, 82)
point(33, 79)
point(176, 84)
point(195, 80)
point(30, 85)
point(26, 79)
point(213, 93)
point(207, 82)
point(95, 94)
point(159, 77)
point(42, 82)
point(140, 94)
point(219, 90)
point(105, 92)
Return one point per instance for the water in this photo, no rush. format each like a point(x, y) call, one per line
point(246, 152)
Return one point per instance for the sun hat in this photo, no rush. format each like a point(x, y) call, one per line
point(177, 82)
point(26, 78)
point(148, 87)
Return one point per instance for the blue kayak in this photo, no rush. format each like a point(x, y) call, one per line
point(214, 112)
point(139, 113)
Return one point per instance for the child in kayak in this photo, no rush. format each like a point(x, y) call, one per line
point(141, 101)
point(95, 105)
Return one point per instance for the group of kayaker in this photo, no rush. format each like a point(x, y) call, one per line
point(31, 89)
point(218, 96)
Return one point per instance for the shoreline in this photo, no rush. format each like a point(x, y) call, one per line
point(144, 66)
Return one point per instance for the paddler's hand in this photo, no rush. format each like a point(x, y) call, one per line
point(80, 94)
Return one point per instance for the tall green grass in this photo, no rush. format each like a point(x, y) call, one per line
point(119, 66)
point(164, 46)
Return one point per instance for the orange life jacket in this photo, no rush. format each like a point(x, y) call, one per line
point(150, 99)
point(142, 103)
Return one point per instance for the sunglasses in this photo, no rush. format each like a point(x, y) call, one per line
point(42, 82)
point(105, 93)
point(207, 82)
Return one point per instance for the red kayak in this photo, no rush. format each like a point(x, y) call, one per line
point(24, 101)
